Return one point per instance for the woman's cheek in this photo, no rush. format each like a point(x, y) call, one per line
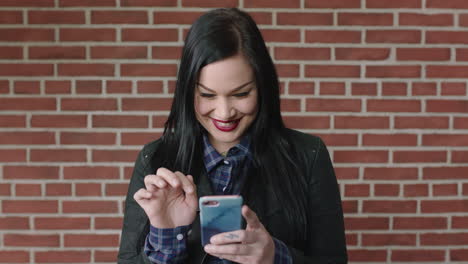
point(202, 107)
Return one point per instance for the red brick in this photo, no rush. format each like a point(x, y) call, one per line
point(58, 155)
point(12, 121)
point(83, 69)
point(30, 172)
point(307, 122)
point(56, 17)
point(447, 106)
point(28, 189)
point(304, 19)
point(27, 3)
point(443, 173)
point(415, 190)
point(388, 105)
point(460, 123)
point(390, 174)
point(146, 104)
point(27, 207)
point(360, 156)
point(12, 155)
point(332, 71)
point(26, 34)
point(332, 88)
point(101, 240)
point(301, 88)
point(357, 190)
point(27, 138)
point(120, 121)
point(343, 173)
point(361, 122)
point(418, 255)
point(58, 189)
point(114, 155)
point(105, 256)
point(393, 36)
point(57, 52)
point(148, 69)
point(366, 223)
point(365, 19)
point(150, 34)
point(57, 87)
point(339, 139)
point(333, 105)
point(148, 3)
point(272, 4)
point(386, 189)
point(332, 3)
point(333, 36)
point(287, 70)
point(350, 206)
point(389, 239)
point(433, 239)
point(459, 254)
point(88, 189)
point(9, 52)
point(460, 222)
point(87, 138)
point(419, 156)
point(411, 223)
point(463, 20)
point(88, 104)
point(290, 105)
point(446, 37)
point(32, 69)
point(5, 189)
point(462, 54)
point(281, 35)
point(434, 122)
point(415, 19)
point(27, 87)
point(444, 189)
point(364, 89)
point(453, 88)
point(166, 52)
point(362, 53)
point(68, 121)
point(119, 17)
point(445, 206)
point(367, 255)
point(295, 53)
point(390, 140)
point(393, 88)
point(29, 104)
point(116, 189)
point(11, 256)
point(12, 223)
point(139, 139)
point(90, 207)
point(62, 256)
point(17, 240)
point(393, 4)
point(447, 71)
point(119, 87)
point(91, 3)
point(389, 207)
point(11, 17)
point(423, 54)
point(214, 3)
point(177, 18)
point(445, 140)
point(87, 34)
point(393, 71)
point(460, 156)
point(455, 4)
point(88, 87)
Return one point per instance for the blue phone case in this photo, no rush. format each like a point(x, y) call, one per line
point(224, 217)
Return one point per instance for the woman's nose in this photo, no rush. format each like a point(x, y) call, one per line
point(224, 109)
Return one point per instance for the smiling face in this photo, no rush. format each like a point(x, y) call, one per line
point(226, 100)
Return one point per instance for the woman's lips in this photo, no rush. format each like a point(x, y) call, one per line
point(225, 126)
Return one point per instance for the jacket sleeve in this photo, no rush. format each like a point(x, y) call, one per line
point(135, 223)
point(326, 237)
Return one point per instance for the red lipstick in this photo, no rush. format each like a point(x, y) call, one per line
point(225, 126)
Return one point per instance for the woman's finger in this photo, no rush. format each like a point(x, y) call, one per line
point(229, 249)
point(187, 186)
point(251, 218)
point(238, 236)
point(170, 177)
point(142, 194)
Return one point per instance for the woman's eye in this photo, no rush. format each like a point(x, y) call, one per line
point(242, 94)
point(207, 95)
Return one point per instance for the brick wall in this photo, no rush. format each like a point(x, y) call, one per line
point(85, 83)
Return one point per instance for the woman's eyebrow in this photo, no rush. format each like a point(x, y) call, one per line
point(234, 90)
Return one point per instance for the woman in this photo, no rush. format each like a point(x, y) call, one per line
point(225, 135)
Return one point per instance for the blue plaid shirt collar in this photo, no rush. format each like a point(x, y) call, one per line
point(213, 158)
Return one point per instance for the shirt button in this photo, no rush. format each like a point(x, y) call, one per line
point(180, 237)
point(226, 162)
point(189, 232)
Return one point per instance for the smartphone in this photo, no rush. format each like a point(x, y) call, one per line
point(219, 214)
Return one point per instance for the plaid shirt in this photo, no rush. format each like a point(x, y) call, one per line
point(227, 175)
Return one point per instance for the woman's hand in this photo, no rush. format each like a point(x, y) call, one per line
point(169, 200)
point(254, 245)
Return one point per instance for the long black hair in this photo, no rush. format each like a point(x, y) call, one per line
point(217, 35)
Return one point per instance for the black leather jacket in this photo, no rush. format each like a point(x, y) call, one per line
point(326, 237)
